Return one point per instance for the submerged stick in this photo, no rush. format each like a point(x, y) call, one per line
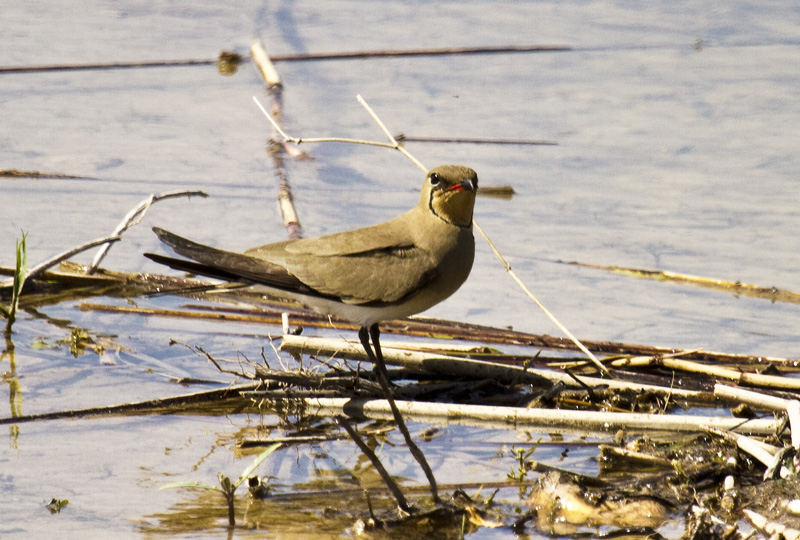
point(140, 407)
point(15, 173)
point(297, 57)
point(275, 90)
point(265, 65)
point(379, 490)
point(772, 294)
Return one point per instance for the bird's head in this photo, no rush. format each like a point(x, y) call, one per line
point(449, 192)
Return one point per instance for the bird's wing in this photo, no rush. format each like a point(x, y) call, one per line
point(383, 275)
point(226, 265)
point(374, 265)
point(193, 267)
point(387, 235)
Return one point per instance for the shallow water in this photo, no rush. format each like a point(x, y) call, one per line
point(673, 154)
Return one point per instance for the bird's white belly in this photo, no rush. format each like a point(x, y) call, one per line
point(359, 314)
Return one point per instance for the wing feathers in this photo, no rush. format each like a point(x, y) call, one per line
point(382, 275)
point(223, 264)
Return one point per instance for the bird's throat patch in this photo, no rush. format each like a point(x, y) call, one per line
point(453, 206)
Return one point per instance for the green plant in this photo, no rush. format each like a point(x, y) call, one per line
point(20, 273)
point(522, 468)
point(226, 487)
point(77, 341)
point(55, 505)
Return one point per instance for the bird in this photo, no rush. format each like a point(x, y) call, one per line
point(383, 272)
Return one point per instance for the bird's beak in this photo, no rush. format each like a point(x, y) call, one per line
point(461, 186)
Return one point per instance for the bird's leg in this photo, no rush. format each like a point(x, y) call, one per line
point(402, 504)
point(383, 379)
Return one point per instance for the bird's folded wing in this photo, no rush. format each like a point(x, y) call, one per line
point(192, 267)
point(373, 265)
point(388, 235)
point(381, 276)
point(226, 265)
point(378, 277)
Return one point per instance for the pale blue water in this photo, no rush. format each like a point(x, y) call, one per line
point(670, 157)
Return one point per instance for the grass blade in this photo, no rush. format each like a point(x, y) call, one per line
point(256, 462)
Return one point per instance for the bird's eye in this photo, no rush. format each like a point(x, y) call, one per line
point(434, 178)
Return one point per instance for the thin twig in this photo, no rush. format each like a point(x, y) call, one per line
point(396, 145)
point(431, 51)
point(107, 65)
point(603, 369)
point(134, 217)
point(497, 253)
point(298, 140)
point(473, 140)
